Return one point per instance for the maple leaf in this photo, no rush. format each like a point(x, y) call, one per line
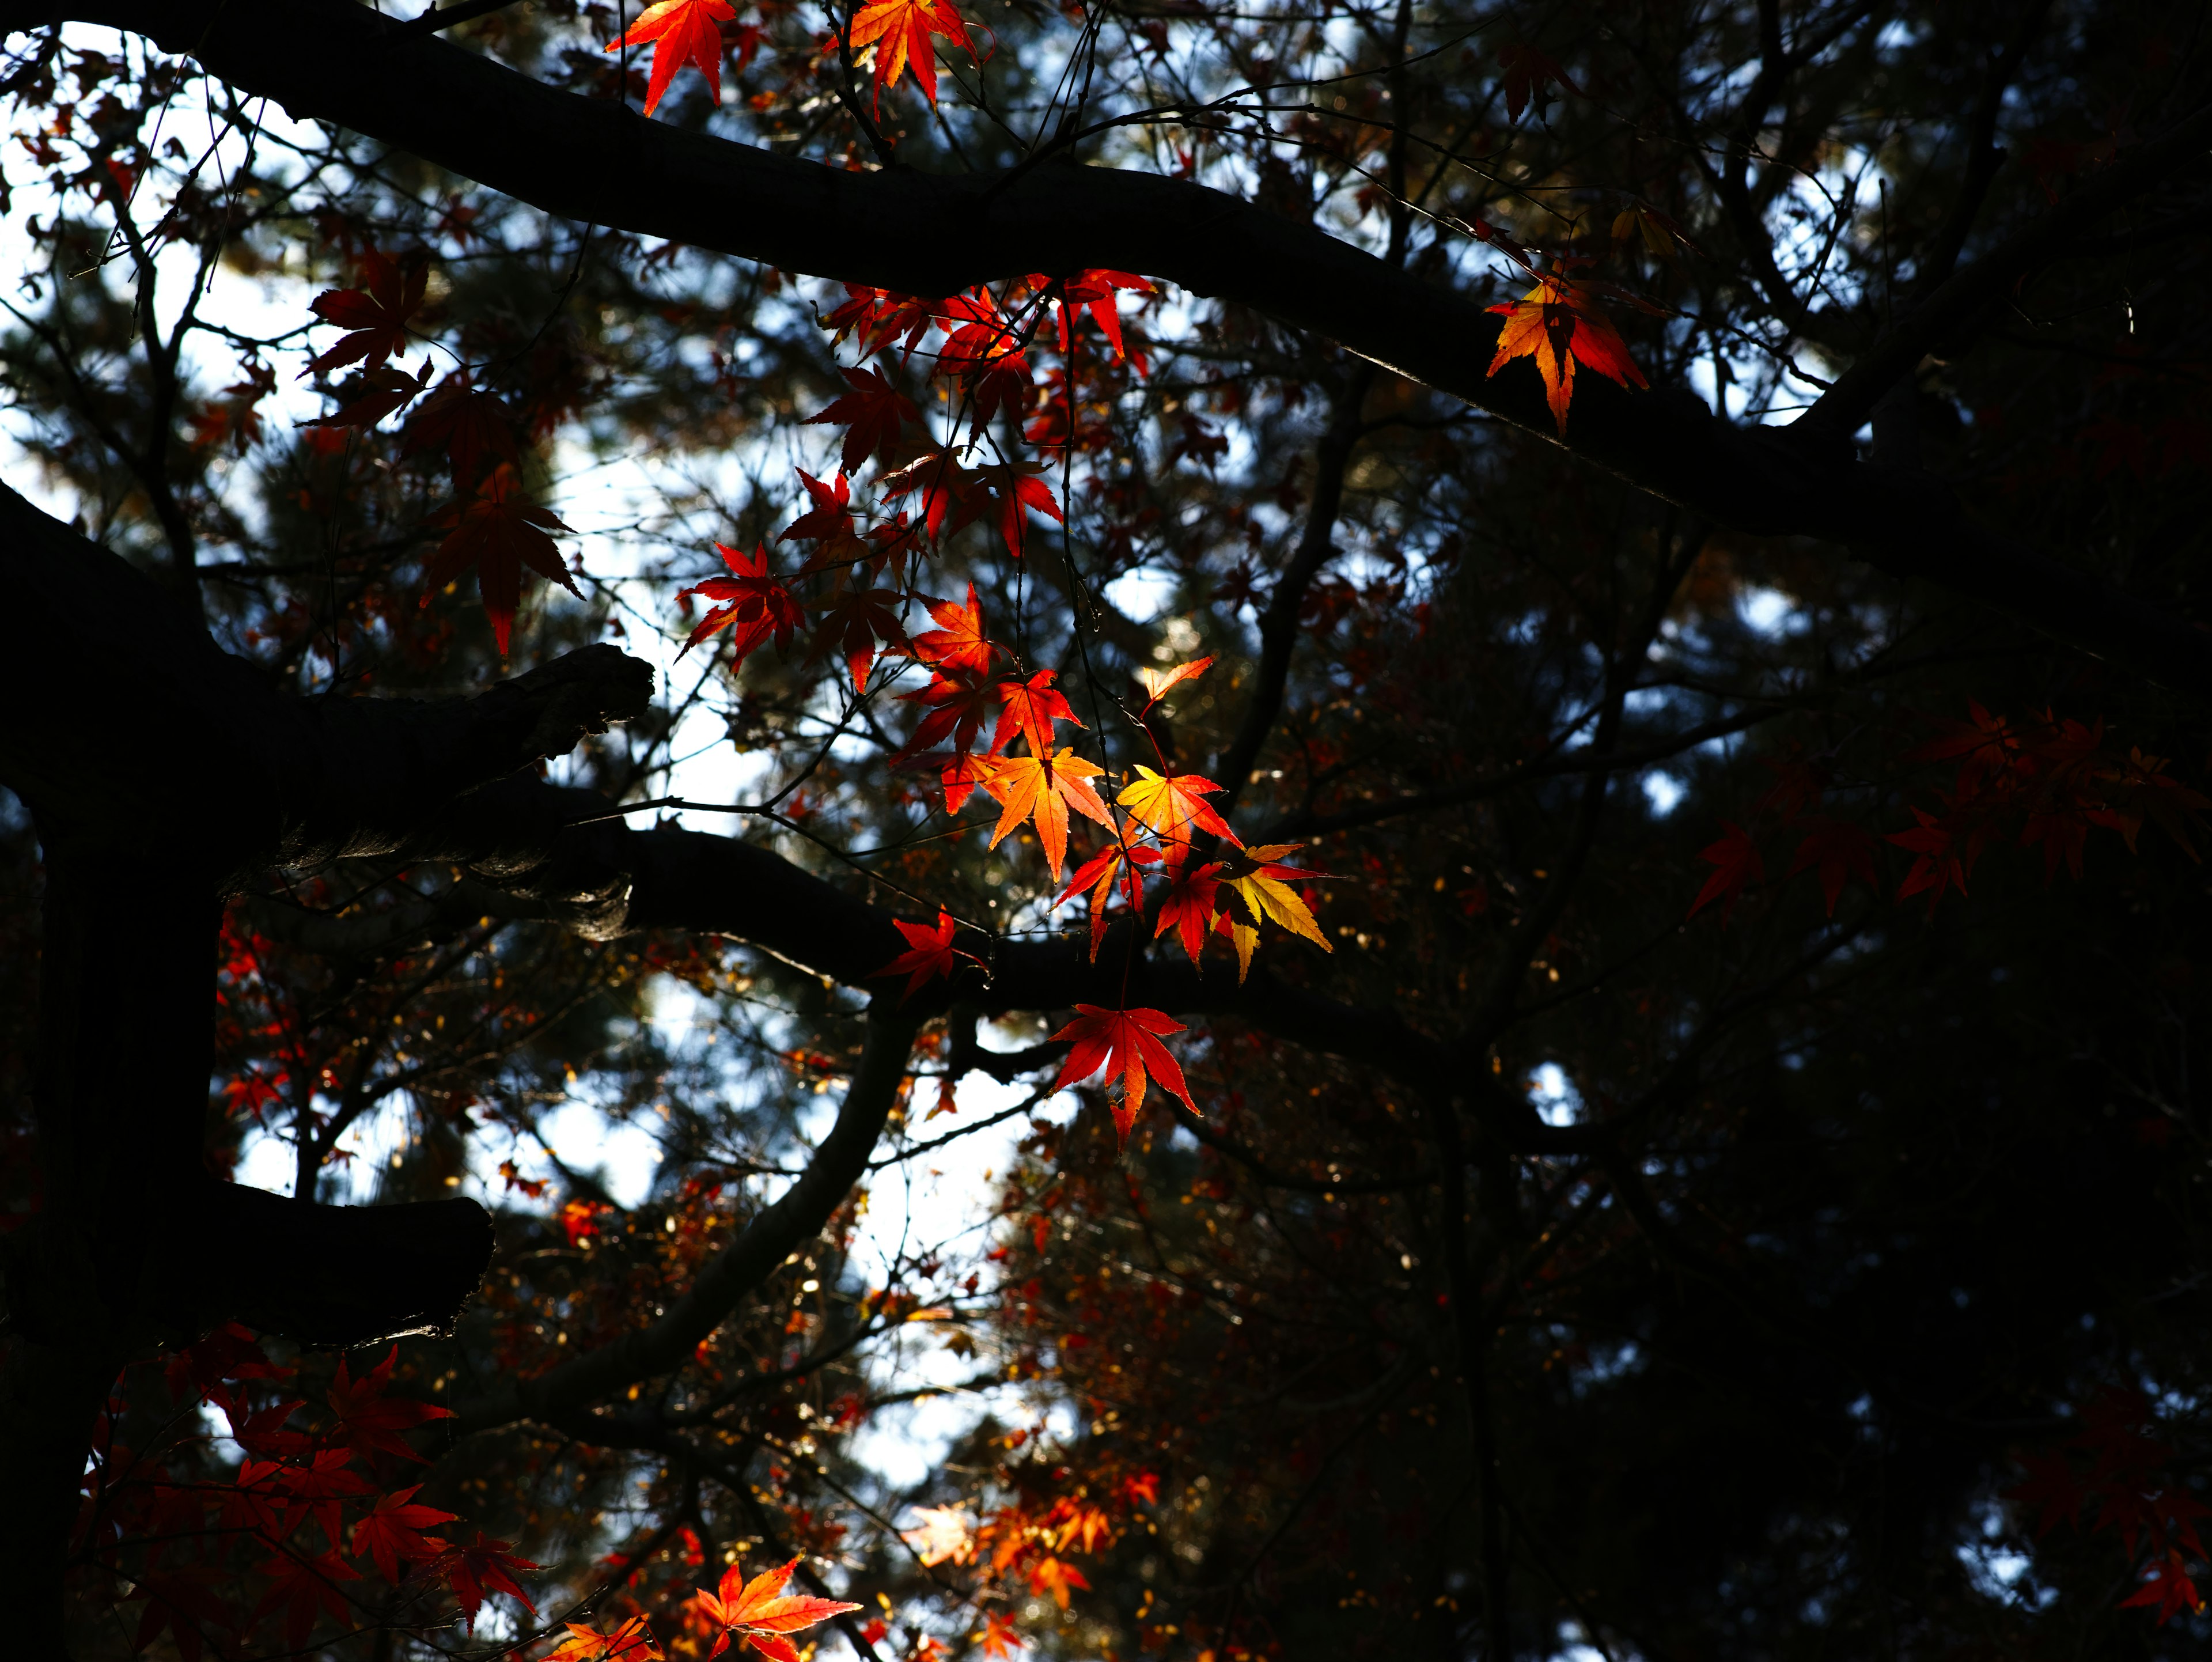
point(1169, 805)
point(1095, 289)
point(303, 1585)
point(760, 1613)
point(870, 414)
point(956, 705)
point(380, 392)
point(998, 1638)
point(930, 953)
point(633, 1641)
point(391, 1531)
point(1947, 848)
point(1044, 787)
point(1035, 710)
point(180, 1600)
point(828, 516)
point(1263, 885)
point(1189, 906)
point(958, 641)
point(369, 1421)
point(1528, 71)
point(945, 1533)
point(1157, 681)
point(499, 531)
point(1015, 488)
point(319, 1486)
point(1841, 851)
point(853, 621)
point(1558, 322)
point(480, 1569)
point(687, 31)
point(754, 606)
point(900, 30)
point(2051, 1487)
point(1098, 874)
point(1126, 1043)
point(2167, 1585)
point(1735, 861)
point(377, 317)
point(470, 426)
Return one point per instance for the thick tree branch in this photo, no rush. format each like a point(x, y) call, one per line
point(741, 1267)
point(597, 161)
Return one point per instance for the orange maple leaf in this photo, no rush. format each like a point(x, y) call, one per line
point(688, 31)
point(633, 1641)
point(1124, 1043)
point(1098, 874)
point(1044, 787)
point(899, 31)
point(930, 953)
point(1157, 681)
point(1035, 710)
point(761, 1613)
point(1169, 805)
point(957, 642)
point(1558, 322)
point(499, 531)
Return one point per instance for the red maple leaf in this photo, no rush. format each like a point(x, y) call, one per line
point(1191, 900)
point(1094, 290)
point(1947, 846)
point(1098, 874)
point(688, 31)
point(2167, 1585)
point(379, 393)
point(1527, 71)
point(1125, 1043)
point(480, 1569)
point(392, 1532)
point(956, 705)
point(869, 413)
point(377, 317)
point(499, 531)
point(369, 1421)
point(1735, 861)
point(930, 953)
point(632, 1642)
point(754, 606)
point(470, 426)
point(1841, 851)
point(1558, 322)
point(180, 1600)
point(760, 1613)
point(2052, 1488)
point(828, 517)
point(852, 624)
point(303, 1585)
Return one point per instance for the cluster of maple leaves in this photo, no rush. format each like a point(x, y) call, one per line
point(2126, 1479)
point(180, 1538)
point(2048, 779)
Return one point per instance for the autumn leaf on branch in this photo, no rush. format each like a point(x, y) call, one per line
point(1169, 805)
point(1035, 709)
point(1191, 899)
point(2167, 1585)
point(469, 425)
point(1044, 787)
point(869, 413)
point(378, 394)
point(1126, 1043)
point(1946, 845)
point(499, 531)
point(930, 953)
point(851, 623)
point(633, 1641)
point(1094, 291)
point(1734, 860)
point(1528, 72)
point(1558, 322)
point(755, 607)
point(480, 1569)
point(393, 1532)
point(760, 1613)
point(1157, 681)
point(687, 31)
point(305, 1587)
point(1262, 883)
point(378, 317)
point(369, 1421)
point(900, 30)
point(958, 641)
point(1098, 873)
point(1839, 850)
